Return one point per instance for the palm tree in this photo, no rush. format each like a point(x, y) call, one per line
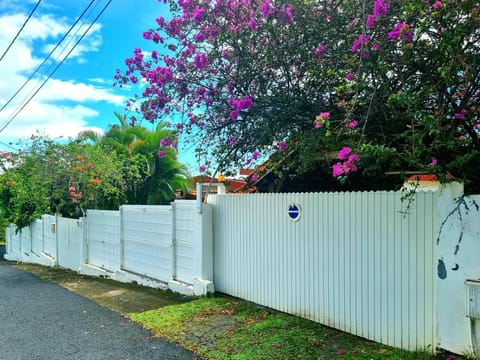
point(160, 177)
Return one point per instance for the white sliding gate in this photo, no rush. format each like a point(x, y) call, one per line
point(353, 261)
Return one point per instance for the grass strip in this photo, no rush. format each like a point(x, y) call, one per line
point(227, 328)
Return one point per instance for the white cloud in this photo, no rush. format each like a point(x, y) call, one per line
point(61, 107)
point(52, 120)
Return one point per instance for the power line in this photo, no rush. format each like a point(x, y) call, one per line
point(48, 56)
point(19, 31)
point(16, 112)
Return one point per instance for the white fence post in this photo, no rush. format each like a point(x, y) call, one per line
point(173, 243)
point(203, 251)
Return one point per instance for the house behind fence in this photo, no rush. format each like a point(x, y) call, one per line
point(391, 270)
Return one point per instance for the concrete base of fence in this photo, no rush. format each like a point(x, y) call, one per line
point(128, 277)
point(203, 287)
point(181, 288)
point(13, 257)
point(91, 270)
point(41, 259)
point(199, 287)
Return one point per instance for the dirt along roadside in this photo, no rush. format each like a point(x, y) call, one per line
point(120, 297)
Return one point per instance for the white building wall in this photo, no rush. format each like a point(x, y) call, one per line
point(352, 261)
point(458, 260)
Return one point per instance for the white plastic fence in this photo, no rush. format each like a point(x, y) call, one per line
point(368, 263)
point(147, 238)
point(154, 245)
point(37, 237)
point(103, 239)
point(352, 261)
point(183, 236)
point(49, 235)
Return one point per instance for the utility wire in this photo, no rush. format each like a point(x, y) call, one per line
point(19, 31)
point(48, 56)
point(15, 114)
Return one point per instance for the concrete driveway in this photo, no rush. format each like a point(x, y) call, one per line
point(41, 320)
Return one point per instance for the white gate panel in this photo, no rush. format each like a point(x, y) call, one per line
point(70, 243)
point(49, 235)
point(183, 238)
point(103, 234)
point(352, 261)
point(36, 229)
point(146, 236)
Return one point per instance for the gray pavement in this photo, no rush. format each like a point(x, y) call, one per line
point(41, 320)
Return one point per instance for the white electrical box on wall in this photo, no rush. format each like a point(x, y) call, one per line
point(473, 298)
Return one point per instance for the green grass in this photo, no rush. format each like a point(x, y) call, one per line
point(227, 328)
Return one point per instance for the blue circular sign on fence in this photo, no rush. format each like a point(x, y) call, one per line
point(294, 212)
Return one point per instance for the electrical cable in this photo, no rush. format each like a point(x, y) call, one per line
point(19, 31)
point(48, 56)
point(15, 114)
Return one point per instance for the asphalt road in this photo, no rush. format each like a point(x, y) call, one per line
point(41, 320)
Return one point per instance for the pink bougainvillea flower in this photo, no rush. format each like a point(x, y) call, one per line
point(320, 50)
point(201, 61)
point(360, 42)
point(401, 31)
point(202, 168)
point(282, 146)
point(253, 178)
point(342, 154)
point(161, 153)
point(349, 76)
point(459, 115)
point(337, 169)
point(477, 126)
point(434, 162)
point(353, 124)
point(371, 21)
point(437, 4)
point(380, 8)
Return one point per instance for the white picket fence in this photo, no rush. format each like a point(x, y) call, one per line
point(152, 245)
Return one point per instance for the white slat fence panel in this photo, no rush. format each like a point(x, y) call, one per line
point(352, 261)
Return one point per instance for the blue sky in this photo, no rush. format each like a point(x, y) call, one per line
point(80, 94)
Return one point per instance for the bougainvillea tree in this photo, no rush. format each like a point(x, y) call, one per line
point(382, 84)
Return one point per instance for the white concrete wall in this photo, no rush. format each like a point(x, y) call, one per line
point(458, 260)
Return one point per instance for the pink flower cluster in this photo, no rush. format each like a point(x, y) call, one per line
point(401, 31)
point(320, 50)
point(239, 105)
point(349, 164)
point(320, 119)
